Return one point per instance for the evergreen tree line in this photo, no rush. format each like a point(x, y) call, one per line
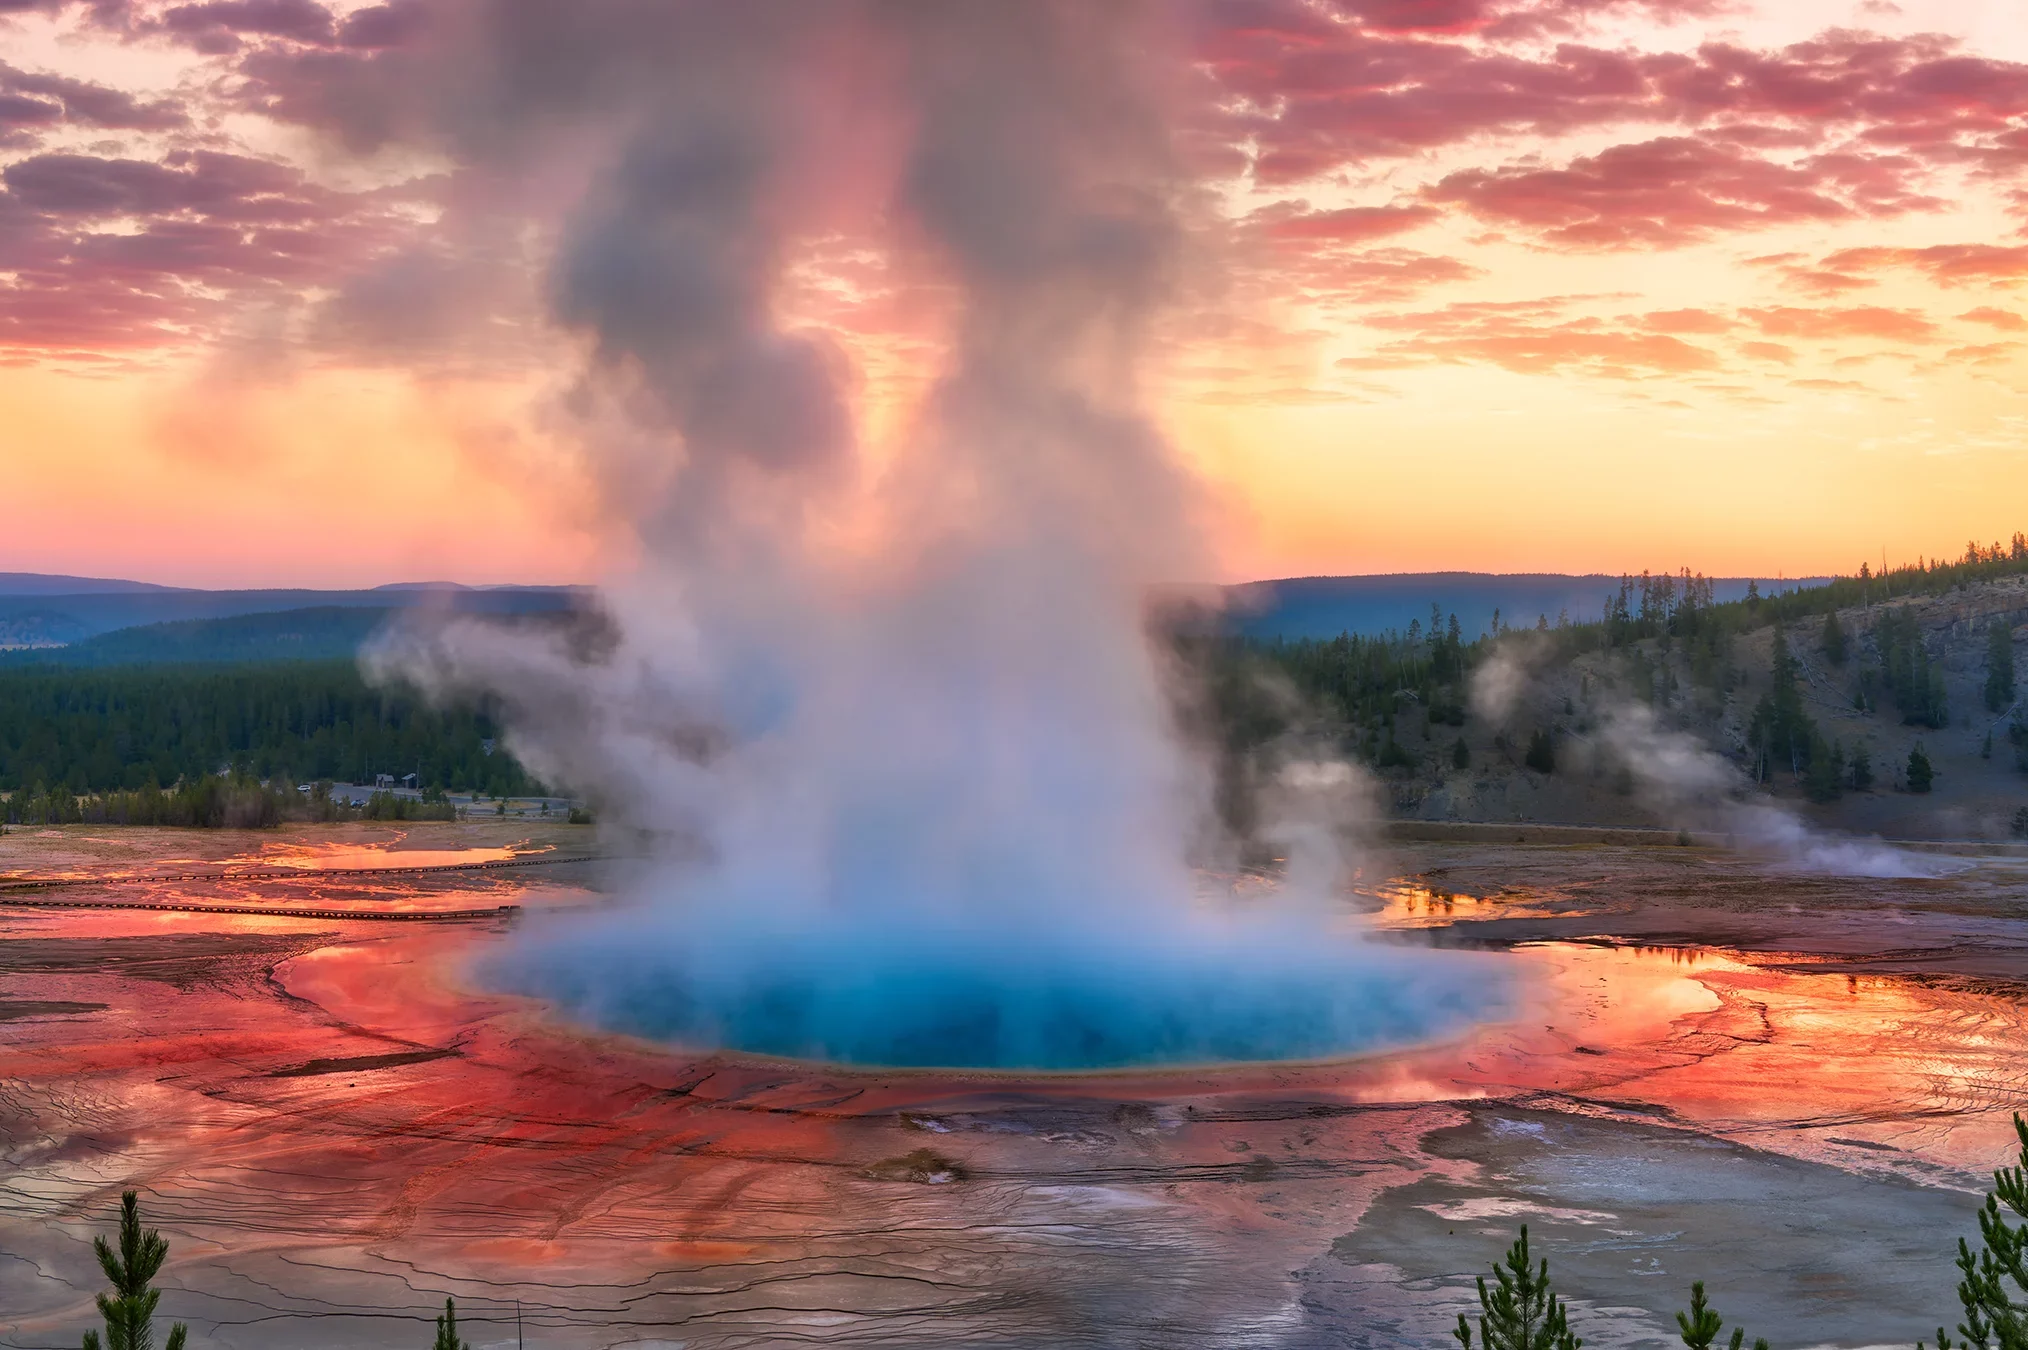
point(1926, 577)
point(1360, 678)
point(1520, 1310)
point(1916, 686)
point(168, 732)
point(1681, 605)
point(1357, 684)
point(227, 801)
point(1781, 736)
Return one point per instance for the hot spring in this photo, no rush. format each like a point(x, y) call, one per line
point(1008, 996)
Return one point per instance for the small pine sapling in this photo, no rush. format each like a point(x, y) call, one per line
point(130, 1310)
point(1522, 1311)
point(1701, 1325)
point(447, 1330)
point(1995, 1317)
point(1835, 649)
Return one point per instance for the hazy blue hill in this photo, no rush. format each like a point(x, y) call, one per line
point(1324, 607)
point(75, 616)
point(323, 633)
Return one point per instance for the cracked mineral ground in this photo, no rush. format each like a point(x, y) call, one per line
point(1790, 1086)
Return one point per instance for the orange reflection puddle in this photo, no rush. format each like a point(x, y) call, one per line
point(1413, 902)
point(312, 878)
point(368, 857)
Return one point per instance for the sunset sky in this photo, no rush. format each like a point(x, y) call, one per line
point(1499, 285)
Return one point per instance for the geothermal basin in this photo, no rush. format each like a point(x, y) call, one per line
point(1790, 1086)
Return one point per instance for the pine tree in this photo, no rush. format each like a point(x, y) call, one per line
point(1825, 778)
point(1461, 755)
point(1780, 731)
point(1701, 1325)
point(1995, 1317)
point(1522, 1312)
point(1936, 705)
point(1999, 666)
point(130, 1311)
point(1862, 768)
point(1835, 649)
point(1921, 773)
point(1917, 686)
point(447, 1330)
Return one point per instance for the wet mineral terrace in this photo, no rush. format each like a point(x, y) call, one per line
point(1789, 1086)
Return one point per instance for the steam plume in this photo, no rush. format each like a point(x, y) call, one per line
point(920, 803)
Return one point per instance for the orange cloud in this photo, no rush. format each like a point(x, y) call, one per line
point(1945, 264)
point(1869, 321)
point(2004, 319)
point(1519, 337)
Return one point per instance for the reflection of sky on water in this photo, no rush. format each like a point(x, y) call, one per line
point(1005, 995)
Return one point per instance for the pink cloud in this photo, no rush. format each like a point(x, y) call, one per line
point(1671, 191)
point(199, 231)
point(218, 26)
point(1352, 225)
point(1718, 139)
point(1314, 95)
point(1383, 276)
point(1292, 249)
point(31, 101)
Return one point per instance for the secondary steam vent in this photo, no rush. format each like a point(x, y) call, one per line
point(884, 721)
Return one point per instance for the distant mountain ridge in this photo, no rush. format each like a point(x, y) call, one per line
point(37, 614)
point(57, 583)
point(1324, 607)
point(325, 633)
point(32, 616)
point(51, 583)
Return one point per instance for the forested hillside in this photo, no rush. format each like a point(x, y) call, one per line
point(104, 730)
point(1880, 702)
point(1900, 684)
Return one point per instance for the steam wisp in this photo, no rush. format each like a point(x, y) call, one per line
point(1691, 786)
point(1687, 783)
